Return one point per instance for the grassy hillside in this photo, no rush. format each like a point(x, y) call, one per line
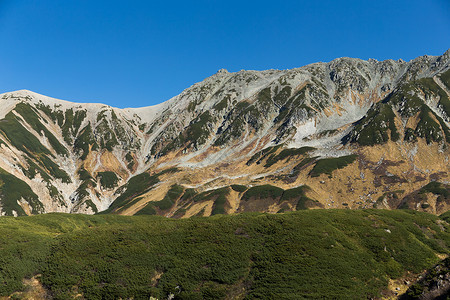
point(307, 254)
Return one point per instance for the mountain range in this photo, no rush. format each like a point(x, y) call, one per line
point(348, 133)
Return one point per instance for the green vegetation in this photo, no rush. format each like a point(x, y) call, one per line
point(148, 209)
point(430, 126)
point(195, 134)
point(173, 194)
point(296, 196)
point(220, 196)
point(72, 123)
point(289, 106)
point(340, 254)
point(78, 118)
point(12, 190)
point(242, 114)
point(427, 127)
point(91, 205)
point(83, 174)
point(20, 137)
point(265, 99)
point(429, 87)
point(142, 127)
point(30, 116)
point(198, 131)
point(188, 194)
point(210, 195)
point(130, 161)
point(388, 195)
point(46, 110)
point(191, 106)
point(328, 165)
point(436, 188)
point(108, 179)
point(303, 163)
point(55, 194)
point(294, 192)
point(281, 97)
point(373, 128)
point(427, 286)
point(444, 127)
point(47, 164)
point(410, 135)
point(101, 115)
point(135, 187)
point(406, 98)
point(239, 188)
point(222, 104)
point(446, 216)
point(33, 169)
point(84, 141)
point(263, 191)
point(24, 248)
point(445, 78)
point(82, 190)
point(325, 133)
point(259, 156)
point(107, 135)
point(287, 153)
point(299, 194)
point(38, 159)
point(53, 169)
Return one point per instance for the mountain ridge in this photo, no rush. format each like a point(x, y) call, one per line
point(340, 108)
point(445, 55)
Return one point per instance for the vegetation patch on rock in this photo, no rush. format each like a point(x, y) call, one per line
point(328, 165)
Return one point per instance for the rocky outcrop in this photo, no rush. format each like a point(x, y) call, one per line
point(434, 284)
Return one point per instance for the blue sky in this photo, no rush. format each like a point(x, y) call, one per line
point(140, 53)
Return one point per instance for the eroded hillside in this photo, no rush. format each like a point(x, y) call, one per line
point(349, 133)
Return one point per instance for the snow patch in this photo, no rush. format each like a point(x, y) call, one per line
point(304, 130)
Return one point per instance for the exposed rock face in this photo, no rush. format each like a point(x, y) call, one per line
point(434, 284)
point(388, 121)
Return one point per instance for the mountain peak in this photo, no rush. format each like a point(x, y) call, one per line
point(222, 71)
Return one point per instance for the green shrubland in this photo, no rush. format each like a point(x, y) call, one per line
point(328, 165)
point(239, 188)
point(340, 254)
point(108, 179)
point(30, 115)
point(286, 154)
point(263, 191)
point(135, 187)
point(12, 190)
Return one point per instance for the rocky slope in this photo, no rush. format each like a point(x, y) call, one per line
point(348, 133)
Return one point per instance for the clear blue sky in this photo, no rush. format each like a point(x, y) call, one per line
point(140, 53)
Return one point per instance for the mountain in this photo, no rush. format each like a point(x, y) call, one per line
point(345, 134)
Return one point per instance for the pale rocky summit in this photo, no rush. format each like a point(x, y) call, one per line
point(348, 133)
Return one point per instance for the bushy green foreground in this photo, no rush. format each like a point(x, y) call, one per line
point(308, 254)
